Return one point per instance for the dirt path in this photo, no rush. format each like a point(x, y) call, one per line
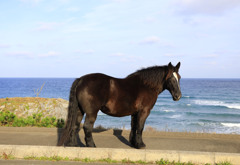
point(119, 139)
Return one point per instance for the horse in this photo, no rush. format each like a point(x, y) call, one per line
point(134, 95)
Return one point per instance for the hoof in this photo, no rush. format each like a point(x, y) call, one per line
point(140, 146)
point(71, 144)
point(90, 145)
point(89, 142)
point(93, 146)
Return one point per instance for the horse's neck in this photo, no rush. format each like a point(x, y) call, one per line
point(155, 83)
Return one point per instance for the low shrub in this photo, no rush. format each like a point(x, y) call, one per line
point(8, 118)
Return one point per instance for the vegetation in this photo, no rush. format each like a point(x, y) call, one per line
point(5, 156)
point(110, 161)
point(8, 118)
point(38, 91)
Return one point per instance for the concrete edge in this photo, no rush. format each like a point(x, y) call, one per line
point(22, 151)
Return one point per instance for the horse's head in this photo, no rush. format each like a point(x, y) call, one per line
point(172, 81)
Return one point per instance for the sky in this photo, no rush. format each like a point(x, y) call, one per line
point(71, 38)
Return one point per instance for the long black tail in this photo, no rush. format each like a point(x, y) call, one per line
point(72, 115)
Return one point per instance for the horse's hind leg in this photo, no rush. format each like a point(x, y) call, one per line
point(74, 137)
point(88, 128)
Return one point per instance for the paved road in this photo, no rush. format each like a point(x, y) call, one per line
point(119, 139)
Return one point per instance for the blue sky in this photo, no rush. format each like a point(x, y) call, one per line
point(70, 38)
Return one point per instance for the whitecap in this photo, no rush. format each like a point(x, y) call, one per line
point(168, 110)
point(233, 106)
point(231, 124)
point(175, 116)
point(218, 103)
point(208, 102)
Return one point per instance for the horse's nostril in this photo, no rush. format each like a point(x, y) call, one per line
point(179, 97)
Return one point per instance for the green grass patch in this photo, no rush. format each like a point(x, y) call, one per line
point(110, 161)
point(8, 118)
point(167, 162)
point(44, 158)
point(5, 156)
point(224, 163)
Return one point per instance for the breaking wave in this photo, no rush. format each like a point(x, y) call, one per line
point(217, 103)
point(231, 124)
point(168, 110)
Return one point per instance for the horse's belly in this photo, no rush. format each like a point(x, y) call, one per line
point(117, 111)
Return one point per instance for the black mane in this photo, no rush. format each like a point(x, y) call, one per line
point(151, 76)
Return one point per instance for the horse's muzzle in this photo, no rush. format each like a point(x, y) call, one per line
point(176, 98)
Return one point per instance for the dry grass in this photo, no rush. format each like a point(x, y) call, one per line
point(150, 129)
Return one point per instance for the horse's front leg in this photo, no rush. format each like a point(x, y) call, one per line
point(88, 128)
point(138, 122)
point(132, 137)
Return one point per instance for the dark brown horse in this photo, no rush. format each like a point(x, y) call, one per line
point(134, 95)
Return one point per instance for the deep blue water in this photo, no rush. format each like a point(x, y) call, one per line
point(207, 105)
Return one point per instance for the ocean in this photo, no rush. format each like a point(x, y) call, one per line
point(207, 105)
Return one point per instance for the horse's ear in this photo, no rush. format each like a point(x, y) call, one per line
point(170, 70)
point(169, 64)
point(178, 66)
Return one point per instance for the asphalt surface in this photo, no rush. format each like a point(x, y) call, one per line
point(119, 139)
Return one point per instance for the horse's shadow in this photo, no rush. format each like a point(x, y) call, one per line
point(116, 132)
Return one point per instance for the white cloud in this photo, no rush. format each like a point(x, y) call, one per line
point(173, 55)
point(4, 46)
point(211, 63)
point(209, 7)
point(117, 54)
point(79, 28)
point(32, 2)
point(45, 26)
point(49, 54)
point(73, 9)
point(150, 40)
point(27, 54)
point(126, 58)
point(89, 51)
point(150, 20)
point(120, 1)
point(24, 54)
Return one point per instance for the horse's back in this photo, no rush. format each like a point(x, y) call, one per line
point(95, 85)
point(94, 81)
